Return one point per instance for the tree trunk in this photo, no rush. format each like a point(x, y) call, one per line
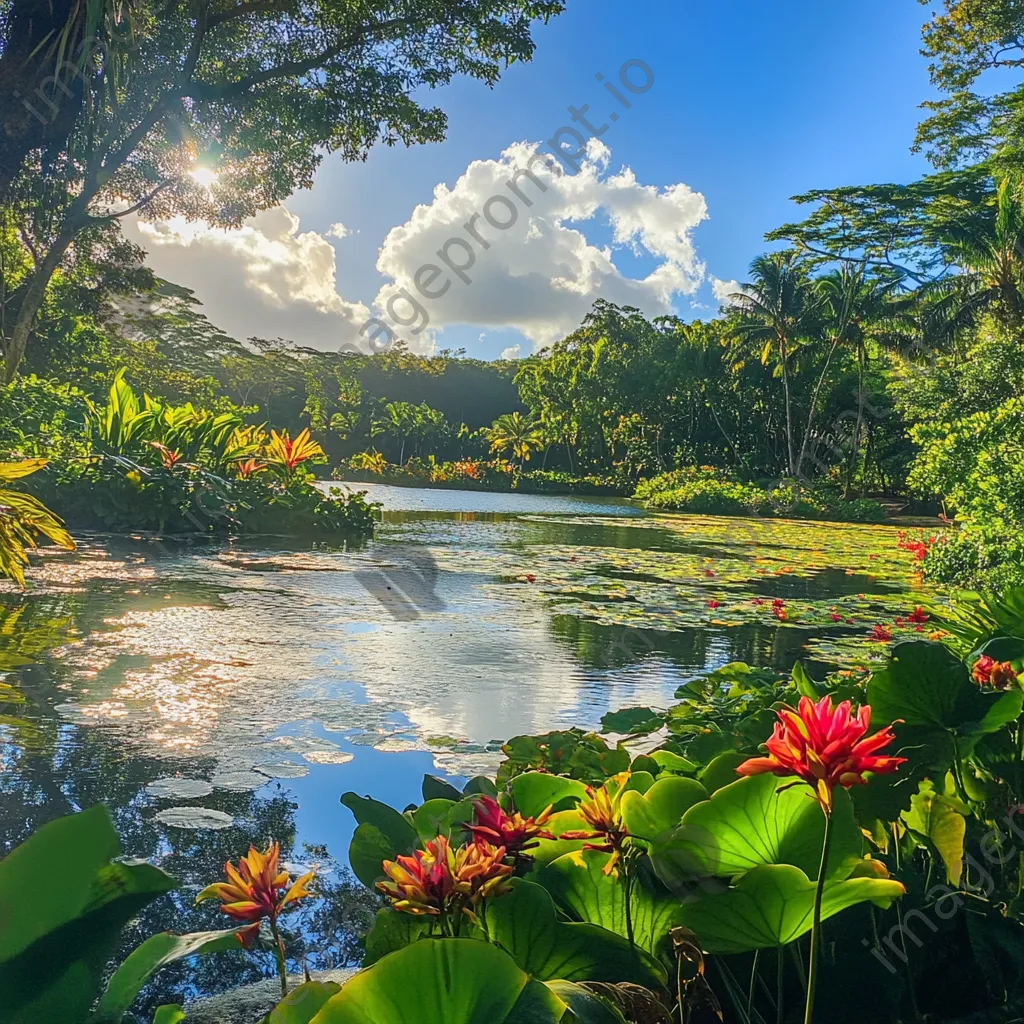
point(855, 448)
point(568, 451)
point(789, 409)
point(814, 405)
point(14, 347)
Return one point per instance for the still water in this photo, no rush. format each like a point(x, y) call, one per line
point(213, 696)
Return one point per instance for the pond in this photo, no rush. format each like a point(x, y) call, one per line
point(213, 696)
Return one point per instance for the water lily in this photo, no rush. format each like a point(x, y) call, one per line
point(881, 633)
point(918, 615)
point(256, 889)
point(530, 578)
point(602, 811)
point(713, 604)
point(825, 747)
point(998, 674)
point(511, 831)
point(835, 616)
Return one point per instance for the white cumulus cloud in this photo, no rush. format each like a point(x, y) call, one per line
point(724, 290)
point(512, 352)
point(266, 278)
point(450, 263)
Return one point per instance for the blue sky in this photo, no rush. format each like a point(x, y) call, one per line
point(752, 103)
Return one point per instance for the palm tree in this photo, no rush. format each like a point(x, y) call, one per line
point(399, 420)
point(517, 434)
point(779, 310)
point(989, 252)
point(856, 310)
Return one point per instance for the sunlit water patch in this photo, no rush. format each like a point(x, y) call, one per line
point(213, 696)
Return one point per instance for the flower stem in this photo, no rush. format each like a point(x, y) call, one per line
point(282, 966)
point(812, 969)
point(628, 886)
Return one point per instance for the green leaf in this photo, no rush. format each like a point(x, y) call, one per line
point(805, 685)
point(58, 885)
point(586, 1007)
point(636, 721)
point(480, 785)
point(169, 1013)
point(722, 771)
point(661, 807)
point(670, 762)
point(773, 905)
point(524, 923)
point(441, 817)
point(302, 1004)
point(382, 834)
point(143, 962)
point(437, 789)
point(392, 931)
point(438, 981)
point(757, 820)
point(532, 792)
point(578, 887)
point(925, 684)
point(932, 818)
point(548, 850)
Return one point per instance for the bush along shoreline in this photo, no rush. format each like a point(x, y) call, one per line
point(137, 463)
point(771, 847)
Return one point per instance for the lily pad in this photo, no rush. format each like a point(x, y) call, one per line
point(198, 818)
point(239, 782)
point(328, 756)
point(282, 770)
point(179, 789)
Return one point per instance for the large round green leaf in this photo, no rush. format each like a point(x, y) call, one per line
point(586, 1007)
point(925, 684)
point(559, 823)
point(757, 820)
point(773, 905)
point(661, 807)
point(532, 792)
point(393, 931)
point(442, 817)
point(524, 922)
point(579, 887)
point(440, 981)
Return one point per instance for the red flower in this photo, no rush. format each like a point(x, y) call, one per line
point(779, 611)
point(989, 672)
point(918, 615)
point(530, 578)
point(851, 622)
point(168, 457)
point(778, 603)
point(825, 747)
point(709, 574)
point(836, 617)
point(256, 889)
point(512, 831)
point(881, 632)
point(757, 602)
point(714, 604)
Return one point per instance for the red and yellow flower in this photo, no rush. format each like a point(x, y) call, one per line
point(256, 889)
point(283, 451)
point(602, 811)
point(168, 456)
point(249, 467)
point(511, 831)
point(998, 674)
point(433, 880)
point(825, 746)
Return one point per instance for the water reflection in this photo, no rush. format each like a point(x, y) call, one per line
point(277, 679)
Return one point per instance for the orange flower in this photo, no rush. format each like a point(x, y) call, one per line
point(989, 672)
point(512, 831)
point(603, 813)
point(423, 882)
point(825, 747)
point(480, 871)
point(436, 878)
point(168, 457)
point(283, 451)
point(256, 889)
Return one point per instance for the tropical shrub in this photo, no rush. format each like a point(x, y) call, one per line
point(706, 490)
point(23, 519)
